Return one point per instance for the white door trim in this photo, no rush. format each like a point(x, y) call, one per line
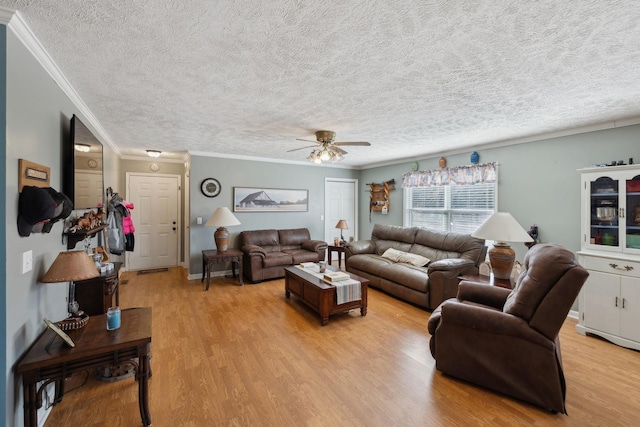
point(179, 196)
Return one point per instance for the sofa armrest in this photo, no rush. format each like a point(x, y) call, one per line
point(359, 247)
point(458, 264)
point(490, 321)
point(254, 250)
point(314, 245)
point(443, 279)
point(493, 296)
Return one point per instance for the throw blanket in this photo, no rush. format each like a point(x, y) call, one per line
point(346, 290)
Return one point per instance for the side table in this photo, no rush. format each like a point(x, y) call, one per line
point(212, 256)
point(340, 250)
point(487, 280)
point(95, 296)
point(49, 359)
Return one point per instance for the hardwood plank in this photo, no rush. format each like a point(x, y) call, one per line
point(248, 356)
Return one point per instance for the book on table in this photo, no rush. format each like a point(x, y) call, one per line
point(308, 265)
point(336, 276)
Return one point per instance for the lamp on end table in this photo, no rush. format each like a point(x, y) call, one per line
point(222, 218)
point(342, 225)
point(502, 227)
point(70, 267)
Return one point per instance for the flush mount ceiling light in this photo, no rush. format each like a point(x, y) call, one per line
point(154, 153)
point(85, 148)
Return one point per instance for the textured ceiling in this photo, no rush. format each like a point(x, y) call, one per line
point(414, 78)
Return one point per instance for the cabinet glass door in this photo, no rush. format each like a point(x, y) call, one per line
point(604, 200)
point(633, 213)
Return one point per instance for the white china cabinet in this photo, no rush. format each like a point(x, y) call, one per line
point(609, 302)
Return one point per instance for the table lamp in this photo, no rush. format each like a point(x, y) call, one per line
point(342, 225)
point(502, 227)
point(70, 267)
point(222, 218)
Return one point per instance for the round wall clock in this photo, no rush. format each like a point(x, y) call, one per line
point(154, 167)
point(210, 187)
point(92, 163)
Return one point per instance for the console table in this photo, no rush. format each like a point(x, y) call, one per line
point(212, 256)
point(51, 360)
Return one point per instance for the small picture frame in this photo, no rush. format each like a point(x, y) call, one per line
point(67, 339)
point(515, 272)
point(485, 269)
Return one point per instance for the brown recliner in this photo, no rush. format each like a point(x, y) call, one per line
point(507, 340)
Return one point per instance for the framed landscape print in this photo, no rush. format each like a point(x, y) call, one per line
point(247, 199)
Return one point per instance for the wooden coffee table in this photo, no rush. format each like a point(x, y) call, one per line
point(321, 295)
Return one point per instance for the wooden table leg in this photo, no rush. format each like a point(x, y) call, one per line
point(208, 274)
point(143, 390)
point(30, 405)
point(240, 274)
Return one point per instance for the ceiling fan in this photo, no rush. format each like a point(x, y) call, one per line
point(327, 148)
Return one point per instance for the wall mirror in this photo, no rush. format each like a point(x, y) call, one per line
point(83, 171)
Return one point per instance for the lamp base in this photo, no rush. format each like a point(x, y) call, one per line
point(221, 236)
point(502, 257)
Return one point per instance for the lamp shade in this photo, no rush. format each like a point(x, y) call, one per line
point(342, 225)
point(222, 217)
point(70, 267)
point(502, 227)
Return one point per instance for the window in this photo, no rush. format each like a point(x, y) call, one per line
point(458, 208)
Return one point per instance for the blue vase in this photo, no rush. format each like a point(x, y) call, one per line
point(475, 157)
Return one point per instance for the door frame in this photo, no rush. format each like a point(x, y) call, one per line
point(354, 181)
point(179, 207)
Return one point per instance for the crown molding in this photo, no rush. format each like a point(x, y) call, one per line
point(6, 15)
point(22, 31)
point(269, 160)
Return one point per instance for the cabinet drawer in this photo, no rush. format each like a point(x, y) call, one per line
point(621, 267)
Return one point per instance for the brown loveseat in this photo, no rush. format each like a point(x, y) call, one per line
point(267, 252)
point(507, 340)
point(448, 256)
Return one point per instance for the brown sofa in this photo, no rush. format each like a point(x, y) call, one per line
point(507, 340)
point(449, 255)
point(267, 252)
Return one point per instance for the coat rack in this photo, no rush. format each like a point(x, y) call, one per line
point(379, 196)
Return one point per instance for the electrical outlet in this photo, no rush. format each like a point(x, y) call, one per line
point(27, 261)
point(321, 217)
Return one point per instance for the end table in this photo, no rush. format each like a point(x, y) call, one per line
point(340, 250)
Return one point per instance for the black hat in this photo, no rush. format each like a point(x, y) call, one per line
point(64, 206)
point(38, 206)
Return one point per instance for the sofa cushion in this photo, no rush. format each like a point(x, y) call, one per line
point(408, 275)
point(405, 257)
point(274, 259)
point(392, 236)
point(370, 263)
point(302, 255)
point(437, 245)
point(266, 239)
point(293, 238)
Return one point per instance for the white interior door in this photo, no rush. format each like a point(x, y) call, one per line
point(341, 201)
point(155, 217)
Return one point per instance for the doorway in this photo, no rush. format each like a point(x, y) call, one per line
point(341, 202)
point(156, 201)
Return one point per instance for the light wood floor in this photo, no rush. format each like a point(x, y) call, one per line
point(247, 356)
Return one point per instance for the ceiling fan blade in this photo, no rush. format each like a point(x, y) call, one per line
point(302, 148)
point(339, 150)
point(307, 140)
point(354, 143)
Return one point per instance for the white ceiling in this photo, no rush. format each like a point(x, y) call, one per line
point(414, 78)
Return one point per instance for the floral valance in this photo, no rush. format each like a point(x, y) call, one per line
point(472, 174)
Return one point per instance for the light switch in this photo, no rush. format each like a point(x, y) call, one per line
point(199, 220)
point(27, 261)
point(321, 217)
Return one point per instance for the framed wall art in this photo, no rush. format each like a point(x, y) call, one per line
point(248, 199)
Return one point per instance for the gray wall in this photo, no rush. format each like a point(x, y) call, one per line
point(538, 181)
point(245, 173)
point(38, 119)
point(3, 217)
